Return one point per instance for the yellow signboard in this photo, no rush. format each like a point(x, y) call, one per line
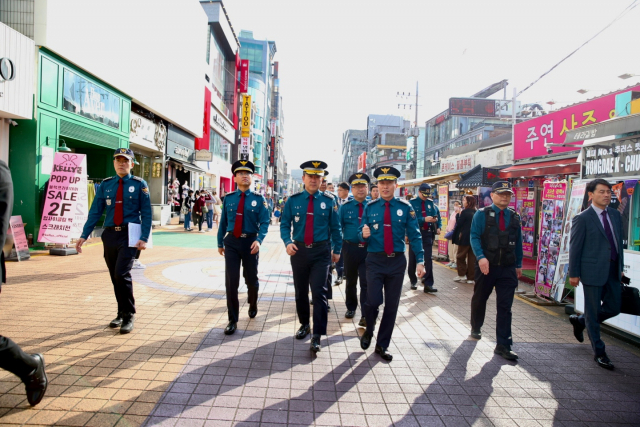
point(245, 128)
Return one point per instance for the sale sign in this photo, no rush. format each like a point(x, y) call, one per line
point(16, 229)
point(65, 200)
point(443, 206)
point(526, 208)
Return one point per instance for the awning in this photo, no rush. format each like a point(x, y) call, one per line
point(552, 167)
point(188, 166)
point(430, 180)
point(479, 177)
point(615, 126)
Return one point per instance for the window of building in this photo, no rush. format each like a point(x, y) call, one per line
point(253, 52)
point(218, 75)
point(219, 147)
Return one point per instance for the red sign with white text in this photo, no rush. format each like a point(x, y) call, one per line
point(203, 143)
point(244, 76)
point(530, 136)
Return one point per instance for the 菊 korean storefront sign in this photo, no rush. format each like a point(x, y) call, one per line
point(610, 159)
point(457, 164)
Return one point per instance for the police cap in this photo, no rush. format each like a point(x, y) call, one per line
point(314, 167)
point(359, 178)
point(242, 165)
point(124, 152)
point(386, 173)
point(425, 189)
point(501, 187)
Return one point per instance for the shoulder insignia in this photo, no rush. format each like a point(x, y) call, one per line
point(335, 208)
point(264, 202)
point(373, 201)
point(255, 193)
point(330, 195)
point(145, 190)
point(107, 179)
point(137, 178)
point(297, 194)
point(412, 213)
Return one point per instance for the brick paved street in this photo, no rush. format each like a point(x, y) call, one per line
point(178, 369)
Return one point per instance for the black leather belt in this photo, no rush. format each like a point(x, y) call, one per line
point(391, 255)
point(358, 244)
point(313, 245)
point(117, 228)
point(244, 235)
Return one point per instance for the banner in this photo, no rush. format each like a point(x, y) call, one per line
point(66, 190)
point(16, 229)
point(244, 76)
point(526, 208)
point(553, 199)
point(245, 128)
point(443, 206)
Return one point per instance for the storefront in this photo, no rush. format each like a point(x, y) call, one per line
point(74, 112)
point(181, 167)
point(218, 169)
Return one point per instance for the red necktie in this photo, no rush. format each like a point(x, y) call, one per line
point(424, 215)
point(237, 227)
point(360, 214)
point(118, 215)
point(308, 227)
point(388, 233)
point(502, 225)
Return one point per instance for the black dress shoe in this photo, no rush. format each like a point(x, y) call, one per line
point(578, 329)
point(349, 314)
point(328, 308)
point(362, 322)
point(365, 340)
point(429, 289)
point(476, 334)
point(604, 362)
point(36, 382)
point(338, 281)
point(117, 322)
point(127, 323)
point(253, 312)
point(414, 286)
point(383, 353)
point(231, 328)
point(303, 331)
point(315, 343)
point(505, 352)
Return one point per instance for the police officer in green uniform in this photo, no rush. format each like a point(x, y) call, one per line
point(245, 215)
point(314, 218)
point(496, 240)
point(430, 224)
point(385, 223)
point(126, 199)
point(354, 250)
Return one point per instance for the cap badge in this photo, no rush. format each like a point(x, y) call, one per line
point(315, 164)
point(358, 175)
point(385, 170)
point(504, 184)
point(243, 162)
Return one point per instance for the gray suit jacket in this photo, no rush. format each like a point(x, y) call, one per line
point(590, 251)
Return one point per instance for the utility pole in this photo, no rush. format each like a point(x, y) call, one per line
point(415, 132)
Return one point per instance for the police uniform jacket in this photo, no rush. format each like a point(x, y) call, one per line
point(255, 217)
point(477, 228)
point(136, 205)
point(430, 209)
point(325, 219)
point(349, 220)
point(403, 222)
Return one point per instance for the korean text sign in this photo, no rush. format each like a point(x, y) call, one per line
point(67, 187)
point(618, 158)
point(526, 208)
point(530, 136)
point(245, 128)
point(443, 206)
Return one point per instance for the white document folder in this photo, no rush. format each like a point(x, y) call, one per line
point(135, 230)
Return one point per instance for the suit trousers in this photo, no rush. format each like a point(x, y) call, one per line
point(238, 252)
point(310, 267)
point(601, 303)
point(427, 246)
point(466, 261)
point(119, 258)
point(384, 284)
point(505, 280)
point(14, 359)
point(355, 267)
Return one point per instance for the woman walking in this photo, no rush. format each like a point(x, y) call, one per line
point(466, 259)
point(187, 204)
point(198, 211)
point(451, 225)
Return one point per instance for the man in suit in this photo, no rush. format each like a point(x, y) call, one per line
point(596, 242)
point(29, 368)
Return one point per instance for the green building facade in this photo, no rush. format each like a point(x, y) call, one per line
point(72, 108)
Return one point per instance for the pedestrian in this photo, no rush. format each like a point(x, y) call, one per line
point(217, 207)
point(276, 214)
point(596, 243)
point(343, 197)
point(354, 250)
point(121, 211)
point(375, 193)
point(496, 240)
point(187, 205)
point(245, 214)
point(28, 367)
point(199, 208)
point(430, 223)
point(209, 203)
point(314, 217)
point(466, 260)
point(385, 223)
point(331, 188)
point(332, 265)
point(451, 224)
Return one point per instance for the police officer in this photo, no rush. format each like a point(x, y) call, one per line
point(245, 214)
point(430, 224)
point(314, 218)
point(496, 240)
point(354, 250)
point(126, 198)
point(324, 188)
point(385, 223)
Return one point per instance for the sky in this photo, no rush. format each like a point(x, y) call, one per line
point(340, 60)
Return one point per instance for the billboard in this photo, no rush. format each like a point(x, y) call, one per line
point(245, 128)
point(244, 76)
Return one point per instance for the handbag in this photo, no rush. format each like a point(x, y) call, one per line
point(630, 300)
point(449, 235)
point(205, 209)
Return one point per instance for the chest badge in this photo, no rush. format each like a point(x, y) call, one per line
point(254, 203)
point(108, 202)
point(375, 226)
point(132, 189)
point(400, 213)
point(323, 205)
point(296, 218)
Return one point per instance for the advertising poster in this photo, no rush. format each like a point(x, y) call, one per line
point(526, 208)
point(82, 207)
point(16, 229)
point(67, 186)
point(443, 206)
point(553, 198)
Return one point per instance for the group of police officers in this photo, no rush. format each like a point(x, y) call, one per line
point(369, 235)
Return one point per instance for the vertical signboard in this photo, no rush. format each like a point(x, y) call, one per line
point(67, 188)
point(203, 143)
point(244, 76)
point(245, 128)
point(272, 150)
point(526, 208)
point(553, 198)
point(16, 229)
point(443, 206)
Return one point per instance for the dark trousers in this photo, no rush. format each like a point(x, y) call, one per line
point(119, 258)
point(466, 261)
point(236, 252)
point(601, 303)
point(310, 267)
point(340, 266)
point(355, 267)
point(199, 220)
point(505, 280)
point(14, 360)
point(329, 275)
point(383, 274)
point(427, 245)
